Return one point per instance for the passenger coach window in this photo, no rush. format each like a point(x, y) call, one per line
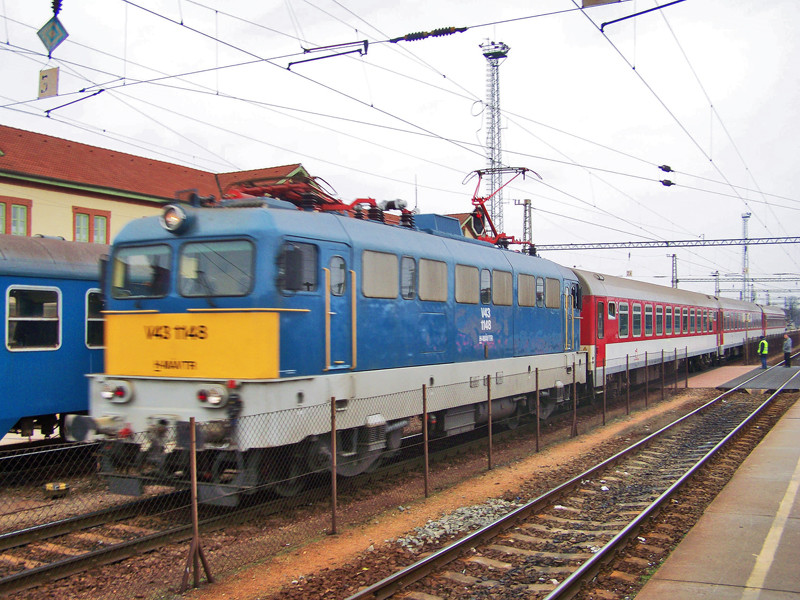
point(691, 321)
point(612, 310)
point(486, 286)
point(669, 321)
point(685, 320)
point(659, 320)
point(503, 290)
point(94, 319)
point(380, 272)
point(432, 280)
point(467, 290)
point(141, 272)
point(637, 319)
point(408, 278)
point(526, 290)
point(338, 270)
point(623, 319)
point(34, 318)
point(297, 268)
point(601, 320)
point(648, 320)
point(220, 268)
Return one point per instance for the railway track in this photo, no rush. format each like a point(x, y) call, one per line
point(552, 546)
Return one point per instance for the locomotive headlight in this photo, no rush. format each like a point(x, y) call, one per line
point(214, 396)
point(174, 219)
point(118, 392)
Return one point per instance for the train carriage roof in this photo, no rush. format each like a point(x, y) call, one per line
point(597, 284)
point(49, 257)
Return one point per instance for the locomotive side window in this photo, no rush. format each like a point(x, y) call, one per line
point(668, 327)
point(659, 320)
point(141, 272)
point(432, 280)
point(623, 320)
point(503, 290)
point(94, 319)
point(552, 295)
point(648, 320)
point(380, 274)
point(486, 286)
point(338, 270)
point(539, 292)
point(219, 268)
point(297, 268)
point(408, 278)
point(637, 319)
point(612, 310)
point(467, 285)
point(526, 290)
point(601, 321)
point(33, 318)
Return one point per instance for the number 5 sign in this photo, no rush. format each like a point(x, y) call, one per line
point(48, 83)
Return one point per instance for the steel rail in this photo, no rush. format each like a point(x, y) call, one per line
point(420, 569)
point(14, 539)
point(570, 586)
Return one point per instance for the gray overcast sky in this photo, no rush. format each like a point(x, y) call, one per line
point(708, 87)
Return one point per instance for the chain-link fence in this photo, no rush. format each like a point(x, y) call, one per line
point(263, 482)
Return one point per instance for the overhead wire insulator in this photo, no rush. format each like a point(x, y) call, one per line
point(56, 7)
point(421, 35)
point(665, 168)
point(666, 182)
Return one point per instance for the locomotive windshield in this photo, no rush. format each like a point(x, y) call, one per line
point(141, 272)
point(219, 268)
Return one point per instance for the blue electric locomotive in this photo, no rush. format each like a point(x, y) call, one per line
point(249, 316)
point(53, 330)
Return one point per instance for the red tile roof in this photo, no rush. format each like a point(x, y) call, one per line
point(58, 160)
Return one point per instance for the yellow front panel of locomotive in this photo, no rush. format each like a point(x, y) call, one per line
point(227, 345)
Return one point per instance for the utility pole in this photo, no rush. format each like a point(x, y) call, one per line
point(495, 53)
point(527, 228)
point(674, 269)
point(745, 257)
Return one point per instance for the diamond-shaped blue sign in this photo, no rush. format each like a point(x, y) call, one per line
point(52, 34)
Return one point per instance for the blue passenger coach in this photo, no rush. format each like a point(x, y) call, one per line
point(225, 313)
point(53, 330)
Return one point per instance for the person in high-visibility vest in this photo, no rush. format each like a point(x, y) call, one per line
point(763, 350)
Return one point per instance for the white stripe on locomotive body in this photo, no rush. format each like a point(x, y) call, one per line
point(275, 409)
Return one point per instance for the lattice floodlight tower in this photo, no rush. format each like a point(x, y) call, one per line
point(495, 53)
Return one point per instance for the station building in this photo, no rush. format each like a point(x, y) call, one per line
point(55, 187)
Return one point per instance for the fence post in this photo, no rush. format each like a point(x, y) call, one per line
point(675, 369)
point(604, 390)
point(574, 432)
point(425, 435)
point(687, 368)
point(663, 378)
point(196, 549)
point(628, 384)
point(646, 380)
point(334, 467)
point(538, 420)
point(489, 414)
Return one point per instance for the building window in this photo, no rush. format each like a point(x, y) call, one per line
point(90, 225)
point(15, 216)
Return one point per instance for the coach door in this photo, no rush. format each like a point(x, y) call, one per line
point(339, 307)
